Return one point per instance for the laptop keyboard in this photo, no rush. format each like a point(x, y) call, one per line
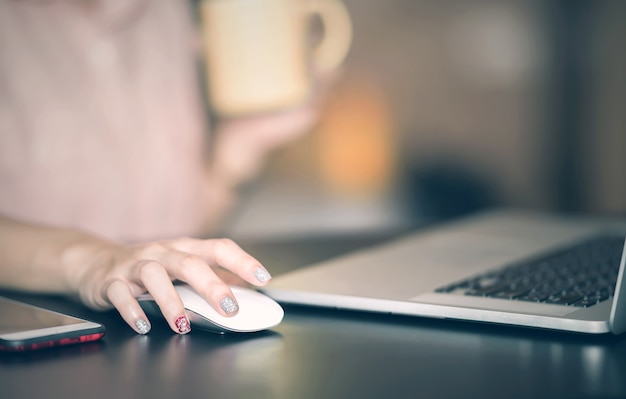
point(582, 275)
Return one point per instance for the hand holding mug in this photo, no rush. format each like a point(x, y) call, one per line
point(258, 53)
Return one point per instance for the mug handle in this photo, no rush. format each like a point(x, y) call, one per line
point(334, 46)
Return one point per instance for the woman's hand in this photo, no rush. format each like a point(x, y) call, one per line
point(118, 274)
point(241, 144)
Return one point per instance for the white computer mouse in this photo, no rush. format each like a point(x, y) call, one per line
point(257, 312)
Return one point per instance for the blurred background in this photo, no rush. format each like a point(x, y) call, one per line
point(446, 107)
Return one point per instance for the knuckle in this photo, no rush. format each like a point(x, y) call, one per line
point(189, 265)
point(184, 240)
point(92, 302)
point(113, 286)
point(215, 290)
point(251, 264)
point(224, 244)
point(149, 269)
point(189, 260)
point(125, 303)
point(95, 297)
point(224, 248)
point(171, 308)
point(150, 251)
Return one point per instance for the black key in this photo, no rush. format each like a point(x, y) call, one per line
point(585, 302)
point(511, 292)
point(483, 291)
point(565, 298)
point(581, 275)
point(534, 297)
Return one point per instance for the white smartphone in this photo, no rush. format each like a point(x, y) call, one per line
point(25, 327)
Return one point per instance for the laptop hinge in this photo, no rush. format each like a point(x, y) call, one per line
point(617, 321)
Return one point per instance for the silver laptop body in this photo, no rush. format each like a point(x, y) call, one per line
point(405, 276)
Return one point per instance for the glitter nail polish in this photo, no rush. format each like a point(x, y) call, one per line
point(229, 305)
point(183, 325)
point(143, 327)
point(262, 275)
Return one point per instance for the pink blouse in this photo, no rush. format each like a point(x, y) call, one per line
point(102, 125)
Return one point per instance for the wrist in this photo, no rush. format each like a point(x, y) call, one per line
point(78, 259)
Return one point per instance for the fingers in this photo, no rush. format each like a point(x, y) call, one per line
point(158, 283)
point(119, 295)
point(195, 271)
point(272, 130)
point(227, 254)
point(243, 144)
point(156, 266)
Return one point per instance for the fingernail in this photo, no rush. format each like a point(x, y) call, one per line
point(143, 327)
point(183, 325)
point(229, 305)
point(262, 275)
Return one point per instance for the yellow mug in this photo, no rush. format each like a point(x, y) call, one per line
point(258, 53)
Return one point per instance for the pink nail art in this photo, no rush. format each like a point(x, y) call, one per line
point(183, 325)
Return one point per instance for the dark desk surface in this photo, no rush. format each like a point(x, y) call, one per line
point(320, 354)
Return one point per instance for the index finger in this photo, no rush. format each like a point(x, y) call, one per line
point(227, 254)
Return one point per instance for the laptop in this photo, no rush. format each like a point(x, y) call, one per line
point(509, 267)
